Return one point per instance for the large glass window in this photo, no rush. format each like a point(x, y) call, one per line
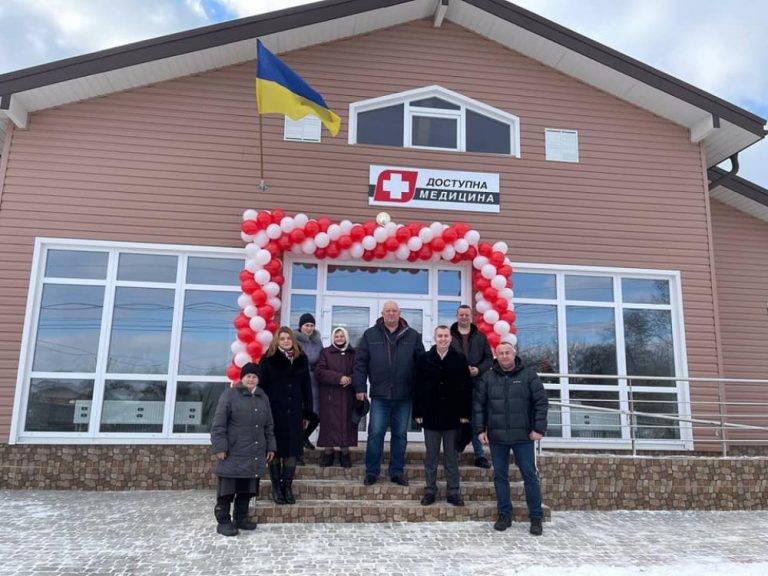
point(121, 332)
point(378, 279)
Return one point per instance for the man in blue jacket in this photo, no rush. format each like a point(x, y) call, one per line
point(386, 356)
point(510, 412)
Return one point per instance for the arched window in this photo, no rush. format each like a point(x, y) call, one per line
point(434, 118)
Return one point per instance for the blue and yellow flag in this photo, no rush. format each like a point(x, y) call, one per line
point(280, 90)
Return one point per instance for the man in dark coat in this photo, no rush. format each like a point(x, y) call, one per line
point(244, 443)
point(311, 344)
point(442, 401)
point(510, 412)
point(468, 339)
point(386, 355)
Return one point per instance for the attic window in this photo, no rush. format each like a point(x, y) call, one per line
point(436, 119)
point(561, 145)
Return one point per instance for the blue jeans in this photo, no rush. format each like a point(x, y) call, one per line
point(525, 459)
point(477, 446)
point(395, 415)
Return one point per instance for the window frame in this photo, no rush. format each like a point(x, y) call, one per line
point(100, 375)
point(409, 112)
point(549, 158)
point(675, 306)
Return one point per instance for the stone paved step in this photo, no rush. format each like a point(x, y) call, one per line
point(413, 471)
point(314, 489)
point(346, 511)
point(413, 455)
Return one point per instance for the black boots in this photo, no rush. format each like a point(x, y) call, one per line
point(225, 526)
point(241, 513)
point(277, 488)
point(502, 522)
point(286, 483)
point(536, 528)
point(345, 460)
point(326, 459)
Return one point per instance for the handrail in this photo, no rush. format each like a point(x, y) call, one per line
point(659, 378)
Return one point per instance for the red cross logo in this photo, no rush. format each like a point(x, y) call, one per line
point(395, 186)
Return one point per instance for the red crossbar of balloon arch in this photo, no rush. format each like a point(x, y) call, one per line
point(270, 233)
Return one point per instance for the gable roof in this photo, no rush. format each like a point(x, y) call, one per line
point(723, 127)
point(740, 193)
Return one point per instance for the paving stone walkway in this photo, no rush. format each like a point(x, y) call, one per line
point(172, 533)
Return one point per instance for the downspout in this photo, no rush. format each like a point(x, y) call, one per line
point(723, 178)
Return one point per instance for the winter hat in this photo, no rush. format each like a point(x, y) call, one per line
point(346, 337)
point(250, 368)
point(306, 318)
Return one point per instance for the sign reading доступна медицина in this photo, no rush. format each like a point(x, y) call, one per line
point(433, 189)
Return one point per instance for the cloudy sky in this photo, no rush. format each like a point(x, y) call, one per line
point(718, 45)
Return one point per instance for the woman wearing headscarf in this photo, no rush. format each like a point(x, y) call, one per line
point(337, 399)
point(285, 379)
point(312, 344)
point(244, 443)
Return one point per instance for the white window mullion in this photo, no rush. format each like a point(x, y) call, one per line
point(173, 361)
point(104, 338)
point(461, 138)
point(407, 139)
point(621, 358)
point(562, 336)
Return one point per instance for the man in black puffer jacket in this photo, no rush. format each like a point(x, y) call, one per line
point(510, 412)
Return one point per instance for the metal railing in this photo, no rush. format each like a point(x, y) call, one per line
point(701, 416)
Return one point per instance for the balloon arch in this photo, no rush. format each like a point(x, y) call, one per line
point(270, 233)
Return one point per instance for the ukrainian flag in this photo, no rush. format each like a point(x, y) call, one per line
point(280, 90)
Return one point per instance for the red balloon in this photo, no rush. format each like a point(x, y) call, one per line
point(272, 326)
point(246, 275)
point(391, 244)
point(513, 329)
point(490, 293)
point(368, 255)
point(482, 283)
point(266, 311)
point(259, 297)
point(323, 223)
point(505, 270)
point(501, 304)
point(438, 244)
point(507, 316)
point(332, 251)
point(279, 280)
point(264, 219)
point(470, 254)
point(413, 256)
point(481, 324)
point(320, 253)
point(461, 228)
point(245, 335)
point(249, 227)
point(485, 249)
point(403, 234)
point(415, 228)
point(297, 236)
point(369, 226)
point(345, 242)
point(273, 266)
point(380, 251)
point(241, 321)
point(449, 234)
point(425, 253)
point(284, 242)
point(357, 233)
point(233, 373)
point(311, 229)
point(497, 259)
point(272, 248)
point(493, 340)
point(254, 349)
point(277, 215)
point(456, 259)
point(249, 285)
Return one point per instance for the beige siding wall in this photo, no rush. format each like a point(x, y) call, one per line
point(741, 261)
point(178, 162)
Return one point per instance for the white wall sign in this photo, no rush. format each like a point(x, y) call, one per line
point(433, 189)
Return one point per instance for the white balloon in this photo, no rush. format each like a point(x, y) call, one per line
point(506, 293)
point(244, 300)
point(296, 249)
point(436, 228)
point(479, 296)
point(287, 224)
point(250, 214)
point(263, 257)
point(510, 307)
point(498, 282)
point(488, 271)
point(380, 234)
point(501, 327)
point(257, 324)
point(262, 277)
point(402, 252)
point(511, 338)
point(345, 226)
point(414, 243)
point(246, 237)
point(449, 252)
point(473, 237)
point(391, 229)
point(369, 242)
point(426, 235)
point(252, 266)
point(482, 306)
point(322, 240)
point(308, 246)
point(241, 359)
point(334, 232)
point(491, 316)
point(275, 302)
point(461, 245)
point(261, 239)
point(274, 231)
point(237, 347)
point(345, 255)
point(436, 257)
point(264, 338)
point(356, 250)
point(479, 262)
point(500, 247)
point(250, 311)
point(300, 220)
point(271, 289)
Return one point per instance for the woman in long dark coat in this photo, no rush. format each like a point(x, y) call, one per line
point(244, 443)
point(285, 379)
point(311, 344)
point(337, 398)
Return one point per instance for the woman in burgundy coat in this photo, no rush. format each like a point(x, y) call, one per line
point(337, 398)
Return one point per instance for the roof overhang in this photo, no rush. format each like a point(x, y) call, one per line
point(722, 127)
point(740, 194)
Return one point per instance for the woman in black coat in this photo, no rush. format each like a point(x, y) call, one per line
point(244, 443)
point(337, 398)
point(285, 379)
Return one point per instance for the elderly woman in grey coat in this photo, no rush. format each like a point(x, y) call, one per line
point(243, 439)
point(311, 344)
